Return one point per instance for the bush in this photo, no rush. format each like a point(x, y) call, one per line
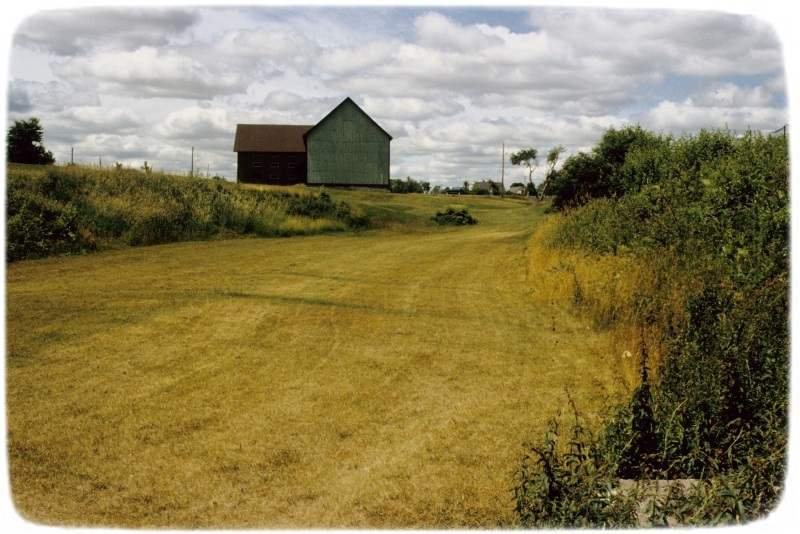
point(454, 216)
point(74, 209)
point(409, 185)
point(707, 217)
point(38, 226)
point(602, 173)
point(570, 484)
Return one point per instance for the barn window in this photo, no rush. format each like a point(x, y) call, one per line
point(274, 164)
point(291, 164)
point(257, 164)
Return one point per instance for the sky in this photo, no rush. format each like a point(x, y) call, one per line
point(451, 85)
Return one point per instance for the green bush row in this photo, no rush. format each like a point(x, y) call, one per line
point(711, 208)
point(73, 209)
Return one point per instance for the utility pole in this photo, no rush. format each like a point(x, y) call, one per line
point(503, 172)
point(191, 170)
point(100, 160)
point(208, 169)
point(72, 155)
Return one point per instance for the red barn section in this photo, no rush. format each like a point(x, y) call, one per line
point(271, 153)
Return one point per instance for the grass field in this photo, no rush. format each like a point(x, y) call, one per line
point(386, 378)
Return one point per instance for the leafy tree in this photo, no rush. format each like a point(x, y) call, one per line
point(552, 161)
point(409, 185)
point(575, 182)
point(527, 158)
point(621, 162)
point(612, 151)
point(24, 143)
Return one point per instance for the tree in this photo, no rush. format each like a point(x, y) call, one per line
point(552, 160)
point(526, 157)
point(24, 143)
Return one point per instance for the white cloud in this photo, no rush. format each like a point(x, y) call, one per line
point(409, 108)
point(196, 123)
point(148, 71)
point(438, 32)
point(26, 95)
point(284, 47)
point(687, 116)
point(690, 43)
point(729, 95)
point(77, 31)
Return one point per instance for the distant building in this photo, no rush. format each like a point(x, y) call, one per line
point(517, 190)
point(487, 187)
point(454, 191)
point(346, 147)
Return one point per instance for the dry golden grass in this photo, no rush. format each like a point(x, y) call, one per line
point(604, 288)
point(381, 379)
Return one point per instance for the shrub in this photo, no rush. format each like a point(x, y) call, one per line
point(409, 185)
point(602, 173)
point(453, 216)
point(38, 226)
point(570, 484)
point(707, 219)
point(72, 209)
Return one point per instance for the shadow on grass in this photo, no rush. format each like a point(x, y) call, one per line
point(314, 301)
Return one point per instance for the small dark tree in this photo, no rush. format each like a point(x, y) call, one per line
point(638, 457)
point(552, 161)
point(526, 157)
point(24, 143)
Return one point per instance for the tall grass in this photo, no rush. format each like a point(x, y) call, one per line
point(74, 209)
point(687, 264)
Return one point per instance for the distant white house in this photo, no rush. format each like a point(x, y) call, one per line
point(517, 190)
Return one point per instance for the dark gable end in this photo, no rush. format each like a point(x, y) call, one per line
point(333, 111)
point(270, 137)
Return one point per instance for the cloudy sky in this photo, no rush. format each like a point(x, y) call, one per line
point(450, 84)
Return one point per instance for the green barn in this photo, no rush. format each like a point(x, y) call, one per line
point(346, 148)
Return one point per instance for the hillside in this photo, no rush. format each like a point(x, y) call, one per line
point(75, 209)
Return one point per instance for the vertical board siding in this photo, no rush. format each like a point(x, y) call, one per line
point(278, 168)
point(348, 149)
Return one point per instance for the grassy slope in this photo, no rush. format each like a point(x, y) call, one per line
point(387, 378)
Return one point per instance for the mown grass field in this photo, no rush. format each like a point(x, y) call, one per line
point(385, 378)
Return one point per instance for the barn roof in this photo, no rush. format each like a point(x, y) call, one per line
point(270, 137)
point(343, 102)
